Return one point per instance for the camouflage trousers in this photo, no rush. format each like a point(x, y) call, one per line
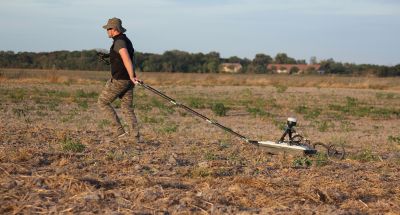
point(122, 89)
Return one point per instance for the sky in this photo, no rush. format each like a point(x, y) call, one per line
point(352, 31)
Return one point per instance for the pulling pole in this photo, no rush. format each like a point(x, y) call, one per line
point(196, 113)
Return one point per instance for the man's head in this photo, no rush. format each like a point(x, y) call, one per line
point(114, 27)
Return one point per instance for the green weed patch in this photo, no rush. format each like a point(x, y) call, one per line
point(395, 139)
point(17, 94)
point(354, 108)
point(366, 156)
point(280, 88)
point(70, 145)
point(82, 94)
point(219, 109)
point(309, 113)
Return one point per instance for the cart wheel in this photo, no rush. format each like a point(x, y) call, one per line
point(336, 152)
point(321, 148)
point(296, 139)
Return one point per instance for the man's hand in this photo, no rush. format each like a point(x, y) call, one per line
point(103, 57)
point(136, 81)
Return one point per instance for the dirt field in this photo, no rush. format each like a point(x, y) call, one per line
point(57, 155)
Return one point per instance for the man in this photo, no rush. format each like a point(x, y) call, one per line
point(122, 81)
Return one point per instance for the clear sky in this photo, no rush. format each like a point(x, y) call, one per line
point(354, 31)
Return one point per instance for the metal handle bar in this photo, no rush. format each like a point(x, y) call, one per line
point(196, 113)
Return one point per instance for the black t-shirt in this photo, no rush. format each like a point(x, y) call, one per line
point(118, 70)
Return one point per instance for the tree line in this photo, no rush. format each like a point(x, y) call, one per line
point(181, 61)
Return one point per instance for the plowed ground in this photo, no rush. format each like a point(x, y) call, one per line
point(58, 154)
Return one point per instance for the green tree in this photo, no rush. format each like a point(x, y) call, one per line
point(153, 64)
point(212, 62)
point(302, 61)
point(259, 63)
point(178, 61)
point(294, 70)
point(330, 66)
point(282, 58)
point(234, 59)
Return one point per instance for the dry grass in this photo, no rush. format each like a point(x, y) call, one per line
point(51, 76)
point(193, 79)
point(56, 154)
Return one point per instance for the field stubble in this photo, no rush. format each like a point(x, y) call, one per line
point(57, 156)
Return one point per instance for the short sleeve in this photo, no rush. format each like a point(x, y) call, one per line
point(119, 44)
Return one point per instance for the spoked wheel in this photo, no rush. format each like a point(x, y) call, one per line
point(320, 147)
point(299, 140)
point(331, 150)
point(296, 139)
point(336, 152)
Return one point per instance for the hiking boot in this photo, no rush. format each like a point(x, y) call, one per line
point(136, 135)
point(138, 138)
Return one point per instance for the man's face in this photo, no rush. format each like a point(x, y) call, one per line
point(110, 32)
